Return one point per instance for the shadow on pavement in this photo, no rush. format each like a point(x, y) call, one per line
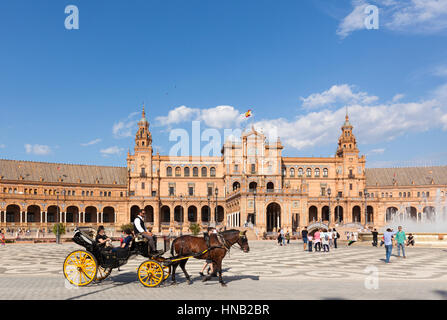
point(442, 293)
point(228, 279)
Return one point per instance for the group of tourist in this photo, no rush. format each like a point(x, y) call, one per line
point(283, 236)
point(320, 239)
point(325, 239)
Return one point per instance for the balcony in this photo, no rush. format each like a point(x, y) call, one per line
point(351, 176)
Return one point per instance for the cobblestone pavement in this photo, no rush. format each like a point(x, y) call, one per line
point(34, 271)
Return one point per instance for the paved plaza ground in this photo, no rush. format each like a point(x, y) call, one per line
point(268, 271)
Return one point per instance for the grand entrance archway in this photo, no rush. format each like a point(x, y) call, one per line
point(273, 217)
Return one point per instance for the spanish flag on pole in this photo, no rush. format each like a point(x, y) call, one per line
point(248, 113)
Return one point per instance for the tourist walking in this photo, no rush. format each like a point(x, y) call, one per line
point(410, 240)
point(279, 238)
point(388, 241)
point(317, 239)
point(374, 234)
point(304, 234)
point(288, 237)
point(325, 241)
point(283, 237)
point(336, 236)
point(400, 239)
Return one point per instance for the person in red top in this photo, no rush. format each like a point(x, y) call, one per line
point(317, 240)
point(2, 237)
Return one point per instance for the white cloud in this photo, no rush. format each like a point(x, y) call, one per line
point(111, 151)
point(444, 121)
point(372, 123)
point(418, 16)
point(222, 117)
point(376, 151)
point(125, 127)
point(410, 16)
point(91, 142)
point(2, 146)
point(337, 93)
point(178, 115)
point(37, 149)
point(440, 71)
point(398, 97)
point(217, 117)
point(353, 21)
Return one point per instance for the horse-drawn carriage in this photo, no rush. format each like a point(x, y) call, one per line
point(95, 263)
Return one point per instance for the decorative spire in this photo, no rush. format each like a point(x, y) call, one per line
point(144, 113)
point(347, 123)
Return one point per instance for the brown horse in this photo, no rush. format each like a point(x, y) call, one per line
point(186, 246)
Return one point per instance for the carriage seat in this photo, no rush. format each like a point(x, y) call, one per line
point(140, 238)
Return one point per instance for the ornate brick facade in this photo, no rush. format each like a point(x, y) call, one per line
point(251, 182)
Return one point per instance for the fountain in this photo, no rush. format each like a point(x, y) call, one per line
point(427, 223)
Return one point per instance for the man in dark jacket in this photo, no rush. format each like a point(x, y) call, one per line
point(375, 234)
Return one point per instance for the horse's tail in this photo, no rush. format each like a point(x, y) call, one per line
point(172, 246)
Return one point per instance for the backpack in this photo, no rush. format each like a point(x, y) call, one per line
point(338, 235)
point(326, 237)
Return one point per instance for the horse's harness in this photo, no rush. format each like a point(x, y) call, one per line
point(224, 243)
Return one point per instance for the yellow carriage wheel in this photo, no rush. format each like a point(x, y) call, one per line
point(166, 272)
point(150, 273)
point(80, 268)
point(102, 273)
point(166, 269)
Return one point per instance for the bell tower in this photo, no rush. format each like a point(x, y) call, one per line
point(143, 137)
point(139, 164)
point(350, 167)
point(347, 142)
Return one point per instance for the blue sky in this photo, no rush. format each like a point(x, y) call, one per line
point(75, 96)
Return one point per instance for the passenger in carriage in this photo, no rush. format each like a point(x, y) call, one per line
point(101, 238)
point(127, 239)
point(123, 249)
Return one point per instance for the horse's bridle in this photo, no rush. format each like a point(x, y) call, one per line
point(227, 246)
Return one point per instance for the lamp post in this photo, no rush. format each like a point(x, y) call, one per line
point(254, 207)
point(338, 208)
point(181, 209)
point(209, 209)
point(216, 191)
point(329, 191)
point(366, 207)
point(57, 214)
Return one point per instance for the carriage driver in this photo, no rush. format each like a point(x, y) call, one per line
point(139, 228)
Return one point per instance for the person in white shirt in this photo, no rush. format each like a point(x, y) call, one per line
point(330, 235)
point(388, 239)
point(325, 240)
point(140, 228)
point(335, 236)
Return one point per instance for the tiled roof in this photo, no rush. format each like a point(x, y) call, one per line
point(406, 176)
point(69, 173)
